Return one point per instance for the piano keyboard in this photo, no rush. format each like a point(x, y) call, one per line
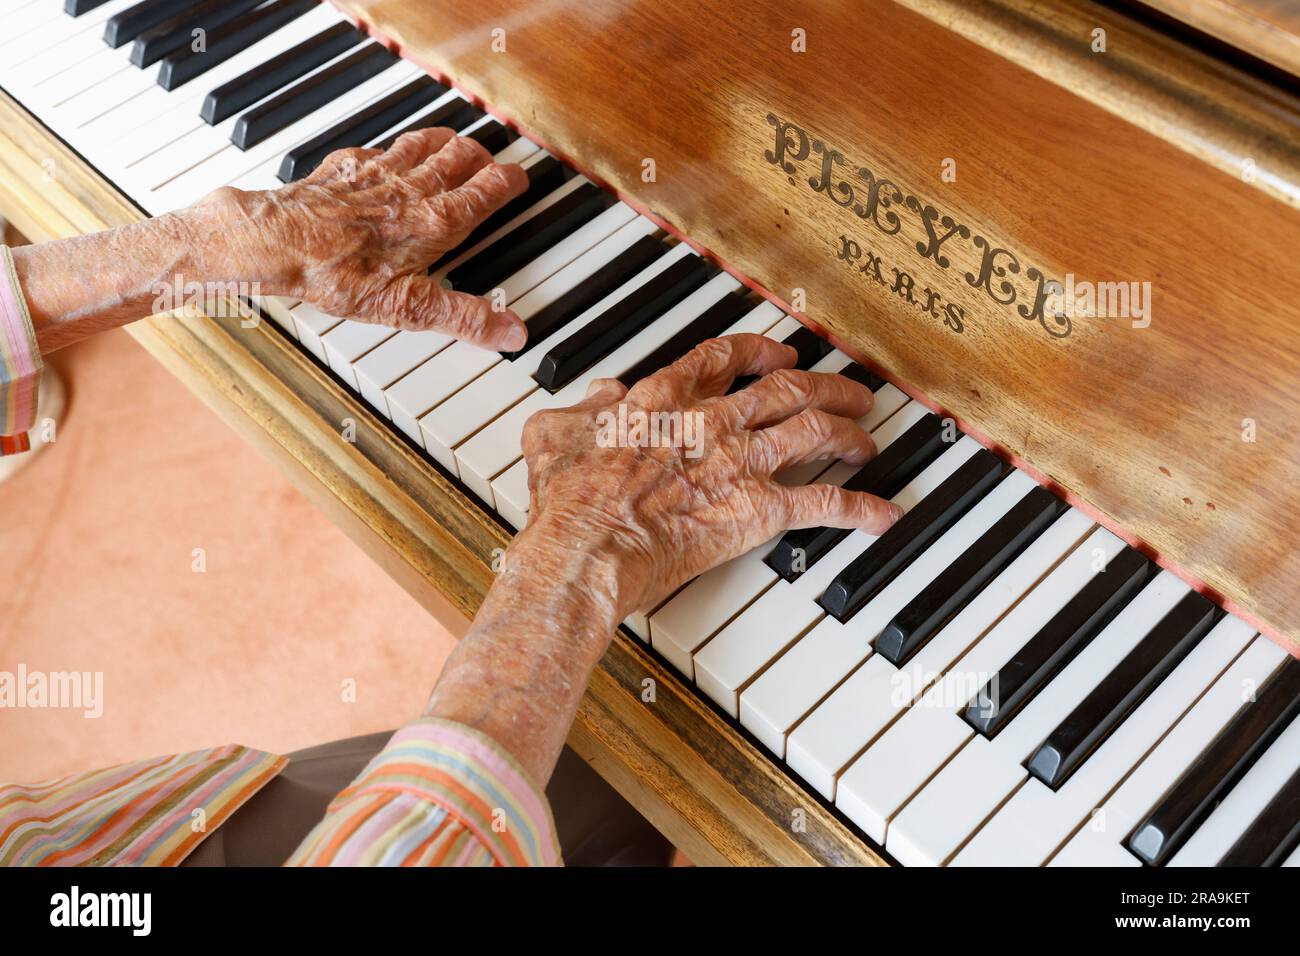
point(995, 680)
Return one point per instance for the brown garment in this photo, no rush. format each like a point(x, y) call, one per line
point(596, 826)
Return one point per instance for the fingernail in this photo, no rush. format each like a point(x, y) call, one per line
point(895, 512)
point(515, 339)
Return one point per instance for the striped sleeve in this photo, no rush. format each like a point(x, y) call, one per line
point(146, 813)
point(438, 794)
point(20, 362)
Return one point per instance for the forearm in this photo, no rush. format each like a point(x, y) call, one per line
point(520, 673)
point(88, 284)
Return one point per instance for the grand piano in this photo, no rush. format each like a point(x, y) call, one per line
point(1057, 239)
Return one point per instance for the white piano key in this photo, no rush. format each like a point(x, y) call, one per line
point(104, 96)
point(1037, 820)
point(176, 182)
point(700, 609)
point(518, 518)
point(444, 374)
point(562, 253)
point(878, 692)
point(449, 425)
point(348, 341)
point(1121, 811)
point(777, 618)
point(1244, 802)
point(464, 362)
point(145, 168)
point(278, 309)
point(60, 86)
point(494, 449)
point(393, 359)
point(148, 122)
point(966, 791)
point(423, 111)
point(437, 380)
point(312, 324)
point(550, 199)
point(898, 763)
point(27, 25)
point(1293, 860)
point(819, 660)
point(68, 43)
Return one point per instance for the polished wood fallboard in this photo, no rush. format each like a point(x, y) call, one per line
point(904, 186)
point(1150, 162)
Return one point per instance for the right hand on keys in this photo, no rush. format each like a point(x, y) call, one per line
point(655, 512)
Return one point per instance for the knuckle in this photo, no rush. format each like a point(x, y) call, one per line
point(537, 429)
point(795, 384)
point(819, 425)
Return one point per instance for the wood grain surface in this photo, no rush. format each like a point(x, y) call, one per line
point(698, 779)
point(1180, 433)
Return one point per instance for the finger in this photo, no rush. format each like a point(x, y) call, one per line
point(812, 435)
point(710, 368)
point(830, 506)
point(603, 391)
point(788, 391)
point(417, 302)
point(449, 167)
point(490, 188)
point(411, 149)
point(342, 164)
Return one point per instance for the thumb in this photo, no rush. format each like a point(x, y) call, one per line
point(418, 302)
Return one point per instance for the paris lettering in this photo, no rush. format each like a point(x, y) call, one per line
point(884, 207)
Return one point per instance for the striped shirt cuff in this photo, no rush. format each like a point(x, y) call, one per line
point(20, 362)
point(146, 813)
point(438, 794)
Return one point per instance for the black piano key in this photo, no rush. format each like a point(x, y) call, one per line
point(715, 320)
point(361, 127)
point(278, 72)
point(1273, 835)
point(75, 8)
point(810, 350)
point(894, 550)
point(1120, 691)
point(958, 583)
point(884, 476)
point(125, 26)
point(492, 265)
point(1218, 768)
point(811, 347)
point(590, 291)
point(455, 114)
point(177, 33)
point(544, 177)
point(570, 358)
point(493, 136)
point(309, 95)
point(863, 376)
point(185, 64)
point(1057, 642)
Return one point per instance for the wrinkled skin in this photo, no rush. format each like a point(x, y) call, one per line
point(667, 516)
point(355, 239)
point(356, 236)
point(617, 529)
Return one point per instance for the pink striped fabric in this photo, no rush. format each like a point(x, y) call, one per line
point(147, 813)
point(20, 362)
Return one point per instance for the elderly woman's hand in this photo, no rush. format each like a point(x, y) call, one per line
point(356, 237)
point(655, 517)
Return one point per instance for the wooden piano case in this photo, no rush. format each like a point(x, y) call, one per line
point(908, 177)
